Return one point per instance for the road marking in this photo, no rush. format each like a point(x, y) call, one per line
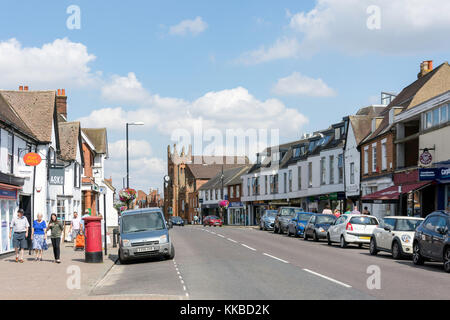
point(232, 240)
point(244, 245)
point(184, 288)
point(328, 278)
point(266, 254)
point(213, 232)
point(220, 235)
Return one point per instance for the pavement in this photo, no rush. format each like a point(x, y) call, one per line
point(235, 263)
point(69, 280)
point(246, 263)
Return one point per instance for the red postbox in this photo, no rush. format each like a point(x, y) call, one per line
point(93, 234)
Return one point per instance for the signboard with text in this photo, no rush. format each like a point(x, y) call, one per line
point(56, 176)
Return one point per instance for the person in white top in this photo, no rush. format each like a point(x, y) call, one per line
point(20, 225)
point(75, 226)
point(327, 210)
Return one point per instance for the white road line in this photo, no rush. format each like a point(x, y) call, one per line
point(187, 294)
point(213, 232)
point(266, 254)
point(232, 240)
point(328, 278)
point(220, 235)
point(244, 245)
point(184, 288)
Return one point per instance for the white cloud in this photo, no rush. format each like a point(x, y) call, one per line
point(59, 64)
point(194, 27)
point(297, 84)
point(283, 48)
point(341, 25)
point(136, 147)
point(216, 109)
point(125, 89)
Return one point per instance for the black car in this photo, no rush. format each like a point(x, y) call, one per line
point(177, 221)
point(284, 216)
point(317, 226)
point(432, 240)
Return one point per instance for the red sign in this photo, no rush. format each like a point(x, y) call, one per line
point(32, 159)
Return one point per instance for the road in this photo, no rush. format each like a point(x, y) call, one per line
point(245, 263)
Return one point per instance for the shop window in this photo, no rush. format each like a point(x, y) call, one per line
point(61, 209)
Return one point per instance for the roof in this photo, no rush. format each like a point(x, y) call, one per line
point(11, 118)
point(69, 133)
point(35, 108)
point(362, 121)
point(228, 175)
point(108, 183)
point(433, 83)
point(208, 171)
point(98, 137)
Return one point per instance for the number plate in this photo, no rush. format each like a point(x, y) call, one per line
point(145, 249)
point(364, 238)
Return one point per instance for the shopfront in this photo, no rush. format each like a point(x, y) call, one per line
point(8, 207)
point(236, 214)
point(441, 177)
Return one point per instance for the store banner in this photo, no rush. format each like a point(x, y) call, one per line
point(429, 174)
point(56, 176)
point(8, 194)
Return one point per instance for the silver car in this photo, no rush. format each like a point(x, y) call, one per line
point(267, 220)
point(284, 216)
point(144, 233)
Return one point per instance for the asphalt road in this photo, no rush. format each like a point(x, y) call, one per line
point(245, 263)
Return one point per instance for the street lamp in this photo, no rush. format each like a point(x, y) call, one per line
point(128, 168)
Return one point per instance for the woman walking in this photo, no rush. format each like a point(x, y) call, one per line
point(39, 237)
point(56, 228)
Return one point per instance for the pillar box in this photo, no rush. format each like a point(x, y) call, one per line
point(93, 234)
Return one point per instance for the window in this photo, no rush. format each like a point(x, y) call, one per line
point(352, 173)
point(10, 153)
point(366, 160)
point(310, 175)
point(76, 172)
point(341, 167)
point(272, 187)
point(444, 113)
point(322, 170)
point(296, 152)
point(285, 182)
point(61, 209)
point(275, 183)
point(299, 169)
point(383, 156)
point(254, 186)
point(428, 122)
point(435, 117)
point(267, 185)
point(232, 192)
point(207, 195)
point(238, 191)
point(276, 157)
point(290, 180)
point(257, 185)
point(331, 169)
point(374, 157)
point(248, 186)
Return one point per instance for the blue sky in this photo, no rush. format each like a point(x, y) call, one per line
point(296, 66)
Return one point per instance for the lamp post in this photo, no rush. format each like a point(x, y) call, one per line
point(128, 168)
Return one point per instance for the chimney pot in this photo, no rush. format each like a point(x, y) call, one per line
point(20, 88)
point(25, 88)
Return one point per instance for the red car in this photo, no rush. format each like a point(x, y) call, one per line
point(212, 221)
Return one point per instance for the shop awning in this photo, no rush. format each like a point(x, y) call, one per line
point(392, 194)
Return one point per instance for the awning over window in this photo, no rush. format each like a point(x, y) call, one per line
point(392, 194)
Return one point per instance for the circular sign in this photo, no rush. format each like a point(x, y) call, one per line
point(426, 158)
point(32, 159)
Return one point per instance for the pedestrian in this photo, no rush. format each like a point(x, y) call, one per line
point(348, 210)
point(366, 211)
point(20, 226)
point(75, 227)
point(355, 210)
point(327, 210)
point(86, 214)
point(56, 228)
point(195, 219)
point(39, 236)
point(337, 213)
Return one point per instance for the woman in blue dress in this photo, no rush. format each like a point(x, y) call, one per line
point(39, 236)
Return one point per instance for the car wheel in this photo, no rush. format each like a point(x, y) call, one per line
point(296, 233)
point(396, 251)
point(315, 238)
point(121, 258)
point(288, 233)
point(260, 227)
point(373, 247)
point(417, 257)
point(172, 253)
point(305, 236)
point(447, 260)
point(329, 239)
point(343, 243)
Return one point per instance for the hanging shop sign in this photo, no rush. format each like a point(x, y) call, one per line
point(426, 158)
point(32, 159)
point(56, 176)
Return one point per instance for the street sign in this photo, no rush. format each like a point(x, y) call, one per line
point(56, 176)
point(32, 159)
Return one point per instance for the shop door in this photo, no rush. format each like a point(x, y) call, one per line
point(25, 205)
point(428, 200)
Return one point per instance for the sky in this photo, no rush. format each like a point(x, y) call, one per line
point(290, 66)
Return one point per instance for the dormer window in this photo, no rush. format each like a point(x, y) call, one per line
point(297, 152)
point(276, 157)
point(337, 133)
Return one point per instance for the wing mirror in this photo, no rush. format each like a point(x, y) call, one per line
point(388, 228)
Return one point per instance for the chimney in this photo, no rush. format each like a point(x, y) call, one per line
point(20, 88)
point(25, 88)
point(61, 103)
point(425, 67)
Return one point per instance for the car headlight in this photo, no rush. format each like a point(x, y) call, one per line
point(126, 243)
point(406, 238)
point(321, 229)
point(163, 239)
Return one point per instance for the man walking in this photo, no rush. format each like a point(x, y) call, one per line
point(20, 226)
point(75, 227)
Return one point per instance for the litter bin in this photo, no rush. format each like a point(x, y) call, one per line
point(93, 234)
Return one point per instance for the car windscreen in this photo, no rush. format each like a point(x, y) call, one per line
point(304, 217)
point(325, 219)
point(213, 217)
point(287, 212)
point(271, 214)
point(146, 221)
point(407, 224)
point(364, 220)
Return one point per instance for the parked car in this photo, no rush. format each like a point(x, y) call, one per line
point(177, 221)
point(432, 240)
point(352, 229)
point(297, 224)
point(395, 235)
point(318, 226)
point(284, 215)
point(267, 220)
point(212, 221)
point(144, 233)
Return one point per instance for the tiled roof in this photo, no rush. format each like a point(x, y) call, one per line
point(35, 108)
point(98, 137)
point(208, 171)
point(68, 139)
point(228, 175)
point(11, 118)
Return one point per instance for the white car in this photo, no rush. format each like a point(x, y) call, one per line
point(352, 229)
point(395, 235)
